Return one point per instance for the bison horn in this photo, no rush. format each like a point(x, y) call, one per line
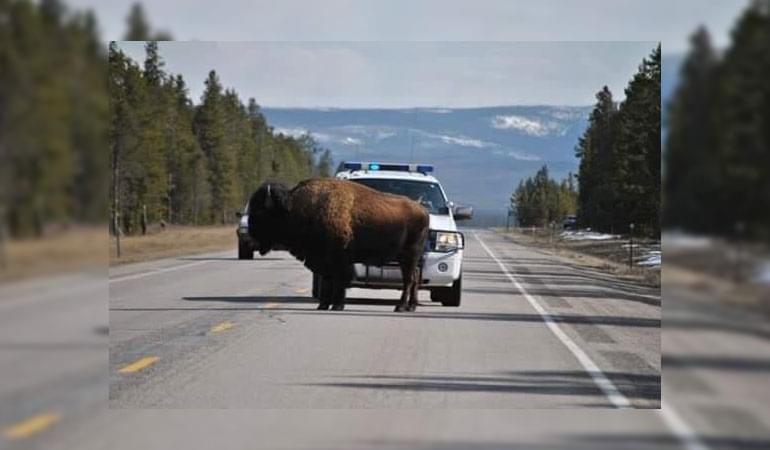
point(269, 199)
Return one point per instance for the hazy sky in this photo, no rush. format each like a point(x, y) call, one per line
point(406, 74)
point(410, 74)
point(669, 21)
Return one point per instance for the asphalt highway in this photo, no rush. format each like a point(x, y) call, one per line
point(208, 351)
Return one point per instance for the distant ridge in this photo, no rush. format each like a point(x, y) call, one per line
point(480, 154)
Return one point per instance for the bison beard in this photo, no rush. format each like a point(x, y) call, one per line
point(330, 224)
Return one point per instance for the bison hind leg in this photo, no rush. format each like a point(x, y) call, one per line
point(340, 284)
point(326, 293)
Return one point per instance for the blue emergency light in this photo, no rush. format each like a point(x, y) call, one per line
point(353, 166)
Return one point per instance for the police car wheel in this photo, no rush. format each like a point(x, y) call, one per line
point(449, 296)
point(245, 251)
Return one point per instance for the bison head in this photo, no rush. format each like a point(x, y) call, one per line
point(268, 215)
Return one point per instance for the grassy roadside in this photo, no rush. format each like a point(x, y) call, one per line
point(173, 241)
point(77, 248)
point(605, 256)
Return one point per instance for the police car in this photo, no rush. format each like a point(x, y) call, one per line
point(443, 258)
point(245, 245)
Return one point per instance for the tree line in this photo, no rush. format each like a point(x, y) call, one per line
point(182, 163)
point(540, 200)
point(717, 161)
point(70, 110)
point(620, 163)
point(53, 117)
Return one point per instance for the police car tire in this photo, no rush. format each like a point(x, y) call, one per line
point(245, 251)
point(453, 294)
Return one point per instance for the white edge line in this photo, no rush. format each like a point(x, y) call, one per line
point(671, 418)
point(156, 271)
point(610, 390)
point(680, 428)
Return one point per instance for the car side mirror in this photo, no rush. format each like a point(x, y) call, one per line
point(462, 212)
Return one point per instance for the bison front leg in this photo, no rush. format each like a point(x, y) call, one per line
point(341, 283)
point(414, 286)
point(407, 277)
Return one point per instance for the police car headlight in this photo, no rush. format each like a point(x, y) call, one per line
point(447, 241)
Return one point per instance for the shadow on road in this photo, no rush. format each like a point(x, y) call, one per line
point(571, 383)
point(608, 441)
point(290, 300)
point(495, 317)
point(732, 364)
point(542, 291)
point(225, 258)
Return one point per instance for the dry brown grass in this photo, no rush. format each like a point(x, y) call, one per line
point(72, 249)
point(606, 257)
point(173, 241)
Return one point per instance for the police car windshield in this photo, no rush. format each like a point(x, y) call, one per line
point(426, 193)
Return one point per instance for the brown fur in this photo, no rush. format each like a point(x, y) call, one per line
point(329, 224)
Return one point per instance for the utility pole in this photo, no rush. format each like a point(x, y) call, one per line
point(631, 247)
point(144, 220)
point(115, 191)
point(170, 188)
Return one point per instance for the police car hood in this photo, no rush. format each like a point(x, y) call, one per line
point(442, 222)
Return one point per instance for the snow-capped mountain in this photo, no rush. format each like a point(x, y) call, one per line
point(480, 154)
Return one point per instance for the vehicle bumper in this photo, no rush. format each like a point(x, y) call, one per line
point(438, 270)
point(243, 235)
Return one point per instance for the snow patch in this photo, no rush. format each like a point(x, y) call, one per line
point(587, 235)
point(465, 142)
point(762, 274)
point(532, 127)
point(351, 141)
point(652, 258)
point(681, 240)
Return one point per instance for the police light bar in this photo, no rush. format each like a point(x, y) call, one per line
point(395, 167)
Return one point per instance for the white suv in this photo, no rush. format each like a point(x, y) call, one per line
point(443, 258)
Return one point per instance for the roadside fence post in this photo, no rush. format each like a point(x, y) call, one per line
point(3, 238)
point(631, 247)
point(144, 220)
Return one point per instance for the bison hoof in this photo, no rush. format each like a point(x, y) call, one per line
point(323, 306)
point(411, 308)
point(399, 308)
point(338, 307)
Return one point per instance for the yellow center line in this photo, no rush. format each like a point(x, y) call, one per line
point(301, 290)
point(271, 305)
point(139, 364)
point(31, 426)
point(224, 326)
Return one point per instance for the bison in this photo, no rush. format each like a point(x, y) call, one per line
point(330, 224)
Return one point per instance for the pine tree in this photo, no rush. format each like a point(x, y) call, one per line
point(211, 129)
point(744, 117)
point(693, 181)
point(138, 29)
point(325, 164)
point(598, 200)
point(638, 148)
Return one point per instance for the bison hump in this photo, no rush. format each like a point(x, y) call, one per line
point(324, 206)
